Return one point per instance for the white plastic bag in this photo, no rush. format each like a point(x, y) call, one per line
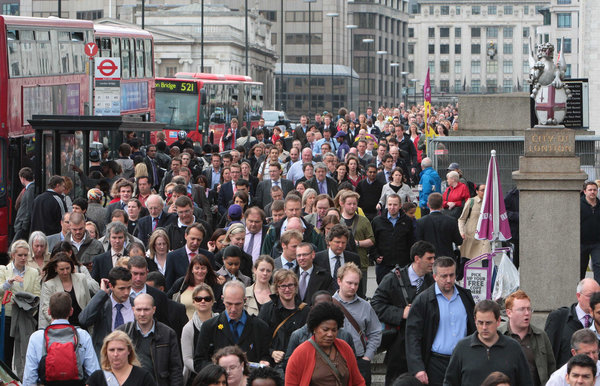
point(507, 279)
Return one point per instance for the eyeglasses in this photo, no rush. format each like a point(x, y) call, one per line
point(232, 368)
point(523, 310)
point(207, 299)
point(287, 286)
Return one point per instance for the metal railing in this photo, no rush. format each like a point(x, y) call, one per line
point(473, 155)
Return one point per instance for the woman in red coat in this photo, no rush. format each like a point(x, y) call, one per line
point(455, 195)
point(308, 364)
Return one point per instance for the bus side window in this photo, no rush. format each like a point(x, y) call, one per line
point(105, 48)
point(115, 48)
point(77, 43)
point(66, 53)
point(148, 61)
point(132, 58)
point(125, 58)
point(14, 58)
point(44, 52)
point(139, 57)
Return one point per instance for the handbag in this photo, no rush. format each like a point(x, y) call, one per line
point(390, 332)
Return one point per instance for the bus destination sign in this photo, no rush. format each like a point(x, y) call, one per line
point(178, 86)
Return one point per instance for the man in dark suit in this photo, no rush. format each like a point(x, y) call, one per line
point(312, 278)
point(125, 189)
point(321, 183)
point(49, 207)
point(179, 259)
point(233, 327)
point(255, 231)
point(439, 229)
point(228, 189)
point(155, 172)
point(187, 214)
point(197, 193)
point(369, 190)
point(213, 172)
point(385, 175)
point(103, 263)
point(430, 321)
point(156, 219)
point(336, 255)
point(176, 311)
point(138, 267)
point(301, 129)
point(109, 308)
point(263, 191)
point(25, 204)
point(563, 322)
point(393, 298)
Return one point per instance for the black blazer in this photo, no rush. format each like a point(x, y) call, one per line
point(332, 186)
point(381, 177)
point(161, 303)
point(102, 264)
point(177, 316)
point(143, 230)
point(110, 208)
point(560, 326)
point(216, 333)
point(319, 280)
point(160, 172)
point(178, 261)
point(389, 303)
point(225, 196)
point(422, 324)
point(263, 191)
point(322, 260)
point(441, 231)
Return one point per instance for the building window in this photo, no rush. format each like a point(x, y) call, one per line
point(457, 48)
point(444, 48)
point(475, 32)
point(475, 49)
point(444, 32)
point(564, 20)
point(431, 66)
point(475, 85)
point(457, 67)
point(492, 66)
point(431, 49)
point(431, 32)
point(507, 32)
point(431, 9)
point(476, 10)
point(567, 49)
point(525, 32)
point(458, 85)
point(525, 48)
point(507, 85)
point(508, 66)
point(411, 32)
point(526, 66)
point(475, 66)
point(273, 38)
point(411, 66)
point(508, 48)
point(303, 16)
point(526, 10)
point(491, 85)
point(564, 2)
point(444, 66)
point(445, 10)
point(82, 15)
point(411, 49)
point(301, 38)
point(171, 70)
point(568, 71)
point(508, 10)
point(444, 85)
point(491, 32)
point(366, 20)
point(269, 15)
point(458, 9)
point(491, 9)
point(457, 32)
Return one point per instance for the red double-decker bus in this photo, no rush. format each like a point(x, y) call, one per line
point(202, 104)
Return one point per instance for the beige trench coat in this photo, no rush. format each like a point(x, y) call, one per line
point(467, 225)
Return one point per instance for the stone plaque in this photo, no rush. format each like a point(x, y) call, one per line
point(549, 143)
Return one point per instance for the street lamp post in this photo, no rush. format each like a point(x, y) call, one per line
point(404, 85)
point(332, 15)
point(369, 41)
point(246, 30)
point(351, 27)
point(394, 88)
point(281, 59)
point(309, 54)
point(415, 81)
point(202, 36)
point(381, 53)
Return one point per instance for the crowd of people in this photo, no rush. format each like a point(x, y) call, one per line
point(247, 264)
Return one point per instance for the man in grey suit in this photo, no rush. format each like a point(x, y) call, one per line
point(60, 236)
point(263, 191)
point(109, 308)
point(23, 219)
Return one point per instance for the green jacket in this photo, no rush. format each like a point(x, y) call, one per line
point(361, 230)
point(540, 344)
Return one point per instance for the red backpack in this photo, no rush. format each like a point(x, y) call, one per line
point(60, 363)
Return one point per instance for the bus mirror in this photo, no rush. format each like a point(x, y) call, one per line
point(203, 97)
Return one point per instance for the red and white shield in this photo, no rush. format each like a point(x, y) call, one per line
point(550, 103)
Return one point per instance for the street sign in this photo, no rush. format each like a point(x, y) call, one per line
point(108, 68)
point(91, 49)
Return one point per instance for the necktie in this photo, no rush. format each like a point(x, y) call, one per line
point(123, 205)
point(154, 223)
point(338, 264)
point(319, 223)
point(192, 255)
point(387, 176)
point(322, 188)
point(154, 171)
point(250, 246)
point(303, 284)
point(119, 316)
point(234, 330)
point(276, 183)
point(419, 284)
point(588, 321)
point(289, 265)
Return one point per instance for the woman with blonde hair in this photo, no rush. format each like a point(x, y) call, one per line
point(17, 276)
point(119, 363)
point(260, 292)
point(141, 170)
point(236, 235)
point(158, 248)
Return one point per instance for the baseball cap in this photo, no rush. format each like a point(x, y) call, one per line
point(453, 166)
point(340, 133)
point(235, 212)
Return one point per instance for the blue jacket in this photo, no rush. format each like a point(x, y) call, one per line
point(430, 182)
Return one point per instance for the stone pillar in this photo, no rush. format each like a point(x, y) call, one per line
point(549, 180)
